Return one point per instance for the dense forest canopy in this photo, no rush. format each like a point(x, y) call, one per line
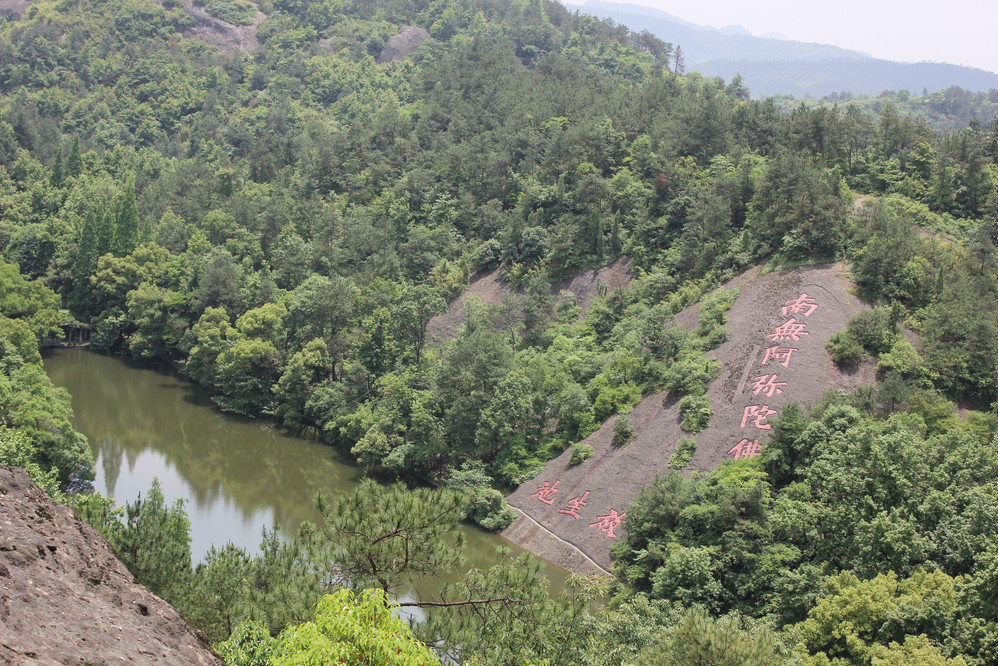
point(284, 223)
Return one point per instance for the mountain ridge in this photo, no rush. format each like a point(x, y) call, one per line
point(772, 66)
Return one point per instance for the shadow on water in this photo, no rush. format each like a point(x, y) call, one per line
point(236, 475)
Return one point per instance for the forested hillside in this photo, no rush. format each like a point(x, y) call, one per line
point(942, 110)
point(283, 223)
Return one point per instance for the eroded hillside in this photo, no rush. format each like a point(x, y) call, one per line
point(775, 354)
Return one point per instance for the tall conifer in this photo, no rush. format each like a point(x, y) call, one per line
point(86, 254)
point(74, 164)
point(56, 177)
point(126, 231)
point(105, 233)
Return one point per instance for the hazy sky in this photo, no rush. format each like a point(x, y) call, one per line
point(962, 32)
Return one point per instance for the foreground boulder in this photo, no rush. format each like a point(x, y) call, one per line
point(66, 599)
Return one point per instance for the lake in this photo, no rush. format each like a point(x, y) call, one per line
point(237, 475)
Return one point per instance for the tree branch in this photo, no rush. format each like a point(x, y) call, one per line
point(468, 602)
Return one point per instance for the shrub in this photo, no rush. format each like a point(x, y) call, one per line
point(696, 412)
point(844, 349)
point(873, 330)
point(486, 505)
point(623, 431)
point(581, 453)
point(488, 255)
point(683, 454)
point(691, 373)
point(236, 12)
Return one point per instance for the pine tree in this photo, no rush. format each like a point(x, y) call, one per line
point(679, 60)
point(86, 254)
point(594, 232)
point(74, 165)
point(126, 231)
point(58, 173)
point(105, 233)
point(616, 245)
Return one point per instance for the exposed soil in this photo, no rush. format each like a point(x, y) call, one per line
point(486, 286)
point(399, 46)
point(227, 37)
point(588, 284)
point(13, 9)
point(489, 288)
point(66, 599)
point(614, 476)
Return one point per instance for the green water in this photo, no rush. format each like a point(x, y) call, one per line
point(237, 475)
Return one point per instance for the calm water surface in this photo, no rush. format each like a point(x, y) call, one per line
point(237, 475)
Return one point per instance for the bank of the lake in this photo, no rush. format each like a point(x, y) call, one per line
point(237, 475)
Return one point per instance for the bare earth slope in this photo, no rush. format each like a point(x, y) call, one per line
point(399, 46)
point(489, 288)
point(66, 599)
point(227, 37)
point(809, 303)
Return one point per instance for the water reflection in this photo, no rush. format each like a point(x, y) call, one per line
point(237, 475)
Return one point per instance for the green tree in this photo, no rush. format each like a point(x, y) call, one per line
point(246, 371)
point(320, 308)
point(126, 229)
point(158, 327)
point(699, 638)
point(347, 628)
point(390, 535)
point(218, 284)
point(219, 594)
point(304, 372)
point(41, 414)
point(154, 543)
point(854, 622)
point(470, 372)
point(412, 311)
point(74, 163)
point(209, 337)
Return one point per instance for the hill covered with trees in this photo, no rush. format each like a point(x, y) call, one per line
point(283, 223)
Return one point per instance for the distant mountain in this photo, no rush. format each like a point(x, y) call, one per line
point(774, 66)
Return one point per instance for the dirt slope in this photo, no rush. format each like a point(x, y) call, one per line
point(227, 37)
point(489, 288)
point(66, 599)
point(745, 392)
point(12, 10)
point(398, 46)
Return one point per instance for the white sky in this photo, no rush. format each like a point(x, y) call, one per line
point(961, 32)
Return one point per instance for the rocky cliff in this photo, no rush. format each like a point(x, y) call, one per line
point(66, 599)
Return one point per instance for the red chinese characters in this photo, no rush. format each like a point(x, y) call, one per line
point(546, 492)
point(747, 448)
point(779, 354)
point(608, 522)
point(757, 415)
point(767, 384)
point(803, 304)
point(791, 329)
point(574, 505)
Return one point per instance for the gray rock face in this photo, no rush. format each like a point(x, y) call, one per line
point(66, 599)
point(399, 46)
